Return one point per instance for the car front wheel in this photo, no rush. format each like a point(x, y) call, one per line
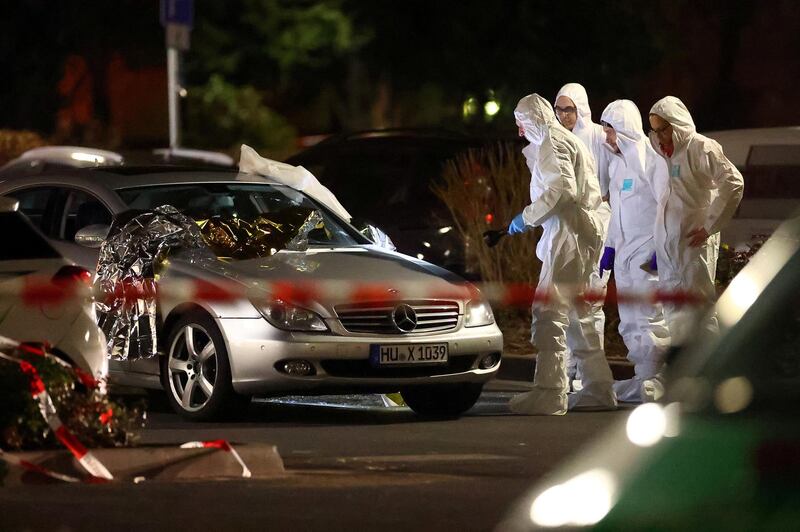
point(196, 371)
point(443, 400)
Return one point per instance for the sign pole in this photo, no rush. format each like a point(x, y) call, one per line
point(177, 17)
point(173, 66)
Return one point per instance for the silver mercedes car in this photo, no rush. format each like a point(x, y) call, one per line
point(437, 349)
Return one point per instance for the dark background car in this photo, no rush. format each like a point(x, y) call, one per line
point(384, 177)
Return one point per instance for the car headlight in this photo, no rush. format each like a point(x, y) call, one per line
point(478, 313)
point(289, 317)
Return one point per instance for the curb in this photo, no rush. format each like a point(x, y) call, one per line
point(154, 463)
point(522, 367)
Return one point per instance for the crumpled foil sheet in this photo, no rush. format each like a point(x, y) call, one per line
point(138, 243)
point(126, 272)
point(240, 239)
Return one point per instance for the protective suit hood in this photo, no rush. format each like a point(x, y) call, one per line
point(535, 116)
point(674, 111)
point(624, 117)
point(577, 93)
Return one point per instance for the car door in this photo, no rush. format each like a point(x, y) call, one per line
point(61, 212)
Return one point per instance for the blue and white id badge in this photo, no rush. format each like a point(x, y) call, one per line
point(675, 170)
point(627, 185)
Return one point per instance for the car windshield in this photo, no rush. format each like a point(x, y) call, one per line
point(243, 202)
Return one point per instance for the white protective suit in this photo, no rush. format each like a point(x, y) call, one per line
point(593, 138)
point(564, 200)
point(704, 190)
point(296, 177)
point(638, 178)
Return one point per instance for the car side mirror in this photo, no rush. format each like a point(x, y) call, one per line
point(92, 236)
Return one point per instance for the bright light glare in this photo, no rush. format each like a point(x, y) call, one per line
point(426, 244)
point(446, 229)
point(743, 292)
point(470, 107)
point(580, 501)
point(733, 395)
point(646, 425)
point(88, 157)
point(491, 108)
point(420, 256)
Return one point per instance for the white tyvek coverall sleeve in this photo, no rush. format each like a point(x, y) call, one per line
point(707, 158)
point(557, 181)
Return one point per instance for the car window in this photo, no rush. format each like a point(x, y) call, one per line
point(82, 209)
point(35, 203)
point(246, 202)
point(21, 241)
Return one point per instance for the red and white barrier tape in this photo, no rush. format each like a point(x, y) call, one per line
point(48, 410)
point(300, 292)
point(28, 466)
point(222, 445)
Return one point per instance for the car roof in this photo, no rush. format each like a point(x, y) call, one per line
point(118, 177)
point(736, 143)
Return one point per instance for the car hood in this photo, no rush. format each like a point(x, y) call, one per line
point(347, 270)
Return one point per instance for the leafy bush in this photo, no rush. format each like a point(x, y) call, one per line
point(731, 262)
point(221, 115)
point(92, 417)
point(14, 143)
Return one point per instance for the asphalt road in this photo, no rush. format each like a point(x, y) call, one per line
point(351, 465)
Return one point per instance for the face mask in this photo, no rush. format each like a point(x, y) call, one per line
point(535, 134)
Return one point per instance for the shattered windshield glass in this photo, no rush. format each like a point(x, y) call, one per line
point(242, 221)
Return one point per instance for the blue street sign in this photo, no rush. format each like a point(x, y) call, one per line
point(177, 12)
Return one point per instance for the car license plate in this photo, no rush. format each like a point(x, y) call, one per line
point(408, 354)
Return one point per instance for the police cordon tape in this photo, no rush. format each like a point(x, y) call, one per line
point(98, 473)
point(92, 465)
point(43, 291)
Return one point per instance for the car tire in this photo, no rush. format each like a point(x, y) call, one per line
point(442, 401)
point(196, 371)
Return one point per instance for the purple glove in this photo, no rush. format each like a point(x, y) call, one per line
point(607, 261)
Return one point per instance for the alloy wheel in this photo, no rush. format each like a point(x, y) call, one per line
point(193, 367)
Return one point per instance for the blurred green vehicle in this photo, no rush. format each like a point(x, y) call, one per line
point(722, 450)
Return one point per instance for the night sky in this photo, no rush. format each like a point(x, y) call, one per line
point(94, 71)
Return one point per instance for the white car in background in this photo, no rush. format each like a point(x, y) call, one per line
point(769, 159)
point(38, 160)
point(69, 326)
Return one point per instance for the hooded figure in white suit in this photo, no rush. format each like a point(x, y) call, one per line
point(638, 178)
point(573, 112)
point(703, 193)
point(564, 200)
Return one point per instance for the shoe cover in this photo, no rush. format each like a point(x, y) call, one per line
point(639, 390)
point(594, 397)
point(539, 402)
point(628, 390)
point(652, 390)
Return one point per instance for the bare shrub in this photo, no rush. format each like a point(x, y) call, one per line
point(484, 189)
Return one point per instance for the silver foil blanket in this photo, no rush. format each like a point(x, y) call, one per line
point(137, 243)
